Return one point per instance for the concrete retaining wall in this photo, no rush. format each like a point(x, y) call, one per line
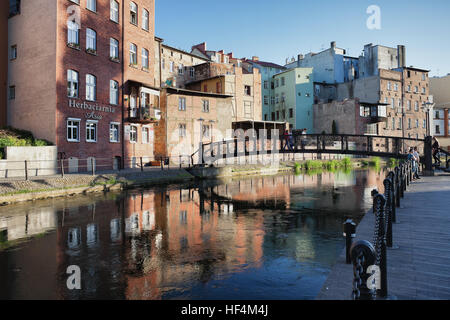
point(40, 161)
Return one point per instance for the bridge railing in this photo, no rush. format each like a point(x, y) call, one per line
point(364, 145)
point(370, 259)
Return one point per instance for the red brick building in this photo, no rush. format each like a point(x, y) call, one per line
point(84, 78)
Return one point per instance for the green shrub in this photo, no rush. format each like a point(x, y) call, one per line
point(375, 162)
point(346, 162)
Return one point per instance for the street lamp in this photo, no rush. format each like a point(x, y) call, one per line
point(428, 106)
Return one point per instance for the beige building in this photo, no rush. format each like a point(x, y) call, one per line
point(440, 90)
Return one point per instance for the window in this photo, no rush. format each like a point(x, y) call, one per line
point(393, 103)
point(91, 131)
point(424, 76)
point(180, 69)
point(14, 7)
point(417, 123)
point(92, 5)
point(283, 81)
point(248, 109)
point(416, 106)
point(400, 124)
point(395, 86)
point(389, 85)
point(91, 40)
point(113, 92)
point(438, 129)
point(416, 89)
point(205, 131)
point(144, 58)
point(171, 66)
point(114, 132)
point(113, 49)
point(272, 100)
point(145, 20)
point(408, 103)
point(409, 123)
point(192, 72)
point(266, 100)
point(424, 124)
point(408, 89)
point(133, 54)
point(13, 52)
point(205, 105)
point(247, 90)
point(133, 13)
point(133, 105)
point(393, 123)
point(73, 130)
point(182, 104)
point(278, 115)
point(91, 83)
point(133, 134)
point(72, 84)
point(145, 134)
point(114, 11)
point(73, 38)
point(277, 83)
point(291, 113)
point(12, 92)
point(266, 84)
point(163, 63)
point(424, 90)
point(182, 130)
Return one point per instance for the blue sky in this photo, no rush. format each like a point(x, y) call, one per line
point(276, 30)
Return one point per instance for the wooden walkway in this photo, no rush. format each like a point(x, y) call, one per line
point(419, 269)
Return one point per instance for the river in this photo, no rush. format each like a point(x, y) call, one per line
point(272, 237)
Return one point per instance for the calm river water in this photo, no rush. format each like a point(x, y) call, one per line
point(273, 237)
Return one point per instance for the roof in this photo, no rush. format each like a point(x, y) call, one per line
point(266, 64)
point(183, 51)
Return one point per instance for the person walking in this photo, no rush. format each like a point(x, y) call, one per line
point(436, 147)
point(412, 158)
point(417, 162)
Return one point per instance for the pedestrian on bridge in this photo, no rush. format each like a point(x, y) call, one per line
point(436, 147)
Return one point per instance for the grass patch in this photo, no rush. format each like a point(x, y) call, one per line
point(318, 165)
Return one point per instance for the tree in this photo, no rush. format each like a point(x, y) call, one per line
point(334, 128)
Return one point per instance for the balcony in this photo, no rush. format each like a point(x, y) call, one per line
point(375, 113)
point(144, 115)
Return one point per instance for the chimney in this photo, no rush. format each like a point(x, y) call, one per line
point(300, 57)
point(401, 54)
point(255, 58)
point(333, 44)
point(201, 46)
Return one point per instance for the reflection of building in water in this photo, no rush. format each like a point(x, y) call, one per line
point(35, 222)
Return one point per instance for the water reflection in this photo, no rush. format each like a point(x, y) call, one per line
point(259, 238)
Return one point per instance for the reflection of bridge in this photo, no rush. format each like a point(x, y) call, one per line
point(345, 144)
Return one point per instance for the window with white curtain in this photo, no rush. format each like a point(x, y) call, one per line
point(113, 48)
point(91, 5)
point(114, 11)
point(91, 40)
point(114, 92)
point(145, 20)
point(72, 84)
point(91, 83)
point(133, 54)
point(73, 33)
point(144, 58)
point(91, 130)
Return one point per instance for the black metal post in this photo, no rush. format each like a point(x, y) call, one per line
point(349, 234)
point(62, 168)
point(428, 153)
point(391, 176)
point(26, 169)
point(388, 211)
point(380, 205)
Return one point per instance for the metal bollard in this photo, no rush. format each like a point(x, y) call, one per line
point(397, 187)
point(363, 255)
point(391, 176)
point(388, 211)
point(62, 168)
point(26, 170)
point(380, 202)
point(349, 234)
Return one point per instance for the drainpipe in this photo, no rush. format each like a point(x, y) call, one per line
point(123, 85)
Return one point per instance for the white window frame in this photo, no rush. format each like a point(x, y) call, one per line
point(91, 5)
point(73, 33)
point(135, 133)
point(146, 136)
point(113, 92)
point(72, 83)
point(145, 58)
point(113, 48)
point(13, 52)
point(133, 13)
point(181, 130)
point(114, 11)
point(74, 120)
point(145, 20)
point(91, 87)
point(91, 39)
point(182, 104)
point(113, 130)
point(180, 69)
point(91, 125)
point(133, 54)
point(205, 106)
